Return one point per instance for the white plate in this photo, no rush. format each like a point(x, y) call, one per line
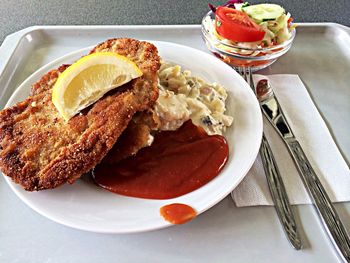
point(85, 206)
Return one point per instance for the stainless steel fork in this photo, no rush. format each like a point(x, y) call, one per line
point(274, 180)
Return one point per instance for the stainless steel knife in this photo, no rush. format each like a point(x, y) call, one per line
point(329, 217)
point(275, 182)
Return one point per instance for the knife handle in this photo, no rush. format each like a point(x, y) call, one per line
point(279, 194)
point(328, 214)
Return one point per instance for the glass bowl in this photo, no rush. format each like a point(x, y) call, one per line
point(240, 56)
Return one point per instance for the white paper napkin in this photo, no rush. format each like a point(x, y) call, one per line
point(316, 141)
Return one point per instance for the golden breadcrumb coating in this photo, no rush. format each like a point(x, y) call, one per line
point(40, 150)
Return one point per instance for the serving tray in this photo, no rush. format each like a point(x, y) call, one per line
point(320, 56)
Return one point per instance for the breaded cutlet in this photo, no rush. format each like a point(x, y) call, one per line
point(138, 133)
point(136, 136)
point(40, 150)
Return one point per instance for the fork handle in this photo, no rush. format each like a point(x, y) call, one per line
point(279, 194)
point(330, 219)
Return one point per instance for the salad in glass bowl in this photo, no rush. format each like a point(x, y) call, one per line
point(244, 35)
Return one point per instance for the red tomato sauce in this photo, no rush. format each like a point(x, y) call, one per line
point(177, 213)
point(177, 163)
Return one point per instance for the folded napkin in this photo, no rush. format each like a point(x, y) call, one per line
point(316, 141)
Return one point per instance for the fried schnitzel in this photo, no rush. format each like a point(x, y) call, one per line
point(136, 136)
point(40, 150)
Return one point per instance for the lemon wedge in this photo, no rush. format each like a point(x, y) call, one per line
point(88, 79)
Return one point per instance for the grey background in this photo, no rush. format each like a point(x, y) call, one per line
point(16, 15)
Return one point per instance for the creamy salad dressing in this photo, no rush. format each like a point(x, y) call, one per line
point(183, 97)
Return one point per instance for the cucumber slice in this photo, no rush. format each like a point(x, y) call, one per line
point(263, 12)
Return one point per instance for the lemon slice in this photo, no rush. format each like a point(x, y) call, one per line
point(88, 79)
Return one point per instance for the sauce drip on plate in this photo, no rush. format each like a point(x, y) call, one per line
point(177, 213)
point(177, 163)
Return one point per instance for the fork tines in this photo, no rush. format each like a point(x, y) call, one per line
point(246, 73)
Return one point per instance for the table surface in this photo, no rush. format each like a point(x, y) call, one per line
point(16, 15)
point(59, 243)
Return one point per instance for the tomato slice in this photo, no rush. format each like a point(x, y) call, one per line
point(236, 25)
